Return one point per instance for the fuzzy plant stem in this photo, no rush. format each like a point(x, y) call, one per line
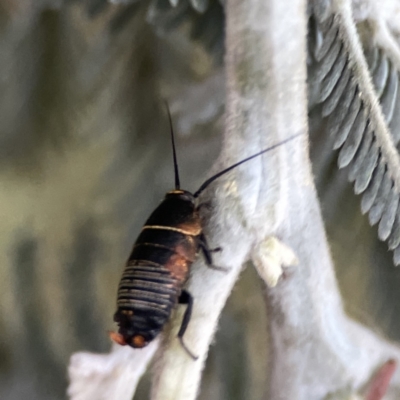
point(249, 204)
point(316, 350)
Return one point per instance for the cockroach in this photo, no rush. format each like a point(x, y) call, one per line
point(159, 264)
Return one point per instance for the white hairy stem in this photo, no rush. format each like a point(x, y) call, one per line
point(249, 204)
point(112, 376)
point(316, 349)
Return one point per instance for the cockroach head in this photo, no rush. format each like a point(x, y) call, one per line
point(180, 194)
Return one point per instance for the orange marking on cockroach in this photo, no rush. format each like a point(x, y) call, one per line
point(190, 232)
point(188, 251)
point(178, 265)
point(117, 338)
point(138, 341)
point(192, 227)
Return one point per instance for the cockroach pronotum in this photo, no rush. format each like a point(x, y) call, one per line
point(158, 267)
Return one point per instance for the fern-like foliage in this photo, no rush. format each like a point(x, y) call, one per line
point(365, 147)
point(204, 19)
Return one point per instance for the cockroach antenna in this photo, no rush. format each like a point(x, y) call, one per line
point(177, 182)
point(223, 172)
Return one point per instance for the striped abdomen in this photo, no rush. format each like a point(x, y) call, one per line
point(153, 278)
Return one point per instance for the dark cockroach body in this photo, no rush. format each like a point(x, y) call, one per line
point(156, 270)
point(159, 265)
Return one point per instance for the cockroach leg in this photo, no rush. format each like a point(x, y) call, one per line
point(215, 250)
point(207, 253)
point(186, 298)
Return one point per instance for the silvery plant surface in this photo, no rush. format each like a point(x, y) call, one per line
point(85, 157)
